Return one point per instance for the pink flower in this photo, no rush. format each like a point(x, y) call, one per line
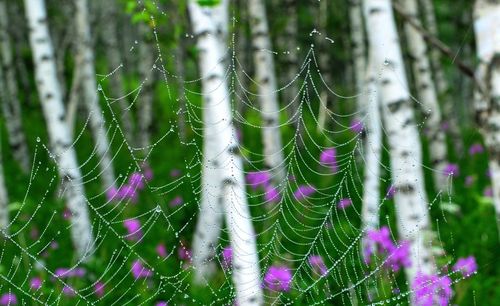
point(36, 283)
point(469, 180)
point(303, 192)
point(227, 258)
point(431, 289)
point(176, 201)
point(476, 148)
point(318, 265)
point(272, 194)
point(133, 227)
point(136, 180)
point(161, 250)
point(8, 299)
point(147, 172)
point(161, 303)
point(278, 278)
point(68, 291)
point(99, 289)
point(67, 214)
point(258, 179)
point(344, 203)
point(467, 266)
point(329, 159)
point(112, 194)
point(184, 254)
point(395, 257)
point(451, 170)
point(391, 191)
point(356, 126)
point(139, 271)
point(488, 192)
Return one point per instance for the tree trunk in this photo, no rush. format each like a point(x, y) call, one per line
point(405, 149)
point(115, 67)
point(62, 148)
point(85, 61)
point(10, 106)
point(358, 52)
point(291, 91)
point(224, 164)
point(324, 63)
point(370, 214)
point(4, 200)
point(145, 111)
point(487, 30)
point(426, 93)
point(267, 90)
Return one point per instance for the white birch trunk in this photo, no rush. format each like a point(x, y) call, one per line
point(267, 90)
point(405, 149)
point(10, 106)
point(358, 52)
point(61, 143)
point(323, 62)
point(4, 200)
point(290, 93)
point(114, 59)
point(85, 61)
point(487, 30)
point(227, 173)
point(370, 213)
point(145, 112)
point(427, 97)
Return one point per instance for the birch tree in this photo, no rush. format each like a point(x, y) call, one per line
point(487, 31)
point(4, 200)
point(412, 211)
point(62, 148)
point(87, 77)
point(426, 93)
point(267, 90)
point(291, 57)
point(222, 177)
point(115, 65)
point(370, 214)
point(10, 106)
point(323, 62)
point(358, 50)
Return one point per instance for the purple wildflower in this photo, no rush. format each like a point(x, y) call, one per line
point(161, 250)
point(391, 191)
point(258, 179)
point(8, 299)
point(67, 214)
point(67, 273)
point(139, 271)
point(476, 148)
point(395, 256)
point(136, 180)
point(318, 265)
point(184, 253)
point(488, 192)
point(469, 180)
point(303, 192)
point(175, 173)
point(161, 303)
point(451, 170)
point(467, 266)
point(272, 194)
point(112, 194)
point(99, 289)
point(430, 289)
point(177, 201)
point(344, 203)
point(147, 172)
point(356, 126)
point(329, 159)
point(36, 283)
point(278, 278)
point(68, 291)
point(133, 227)
point(227, 258)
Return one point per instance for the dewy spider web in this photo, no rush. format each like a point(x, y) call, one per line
point(288, 232)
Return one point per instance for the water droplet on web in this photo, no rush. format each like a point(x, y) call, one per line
point(99, 87)
point(158, 209)
point(135, 42)
point(38, 139)
point(154, 66)
point(386, 62)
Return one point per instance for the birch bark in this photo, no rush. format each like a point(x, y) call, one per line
point(267, 90)
point(85, 62)
point(10, 107)
point(412, 211)
point(220, 136)
point(487, 31)
point(426, 93)
point(61, 143)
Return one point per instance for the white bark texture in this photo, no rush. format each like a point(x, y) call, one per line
point(412, 211)
point(4, 200)
point(487, 30)
point(370, 213)
point(324, 63)
point(358, 51)
point(267, 90)
point(61, 143)
point(222, 176)
point(85, 61)
point(115, 65)
point(10, 106)
point(427, 97)
point(145, 112)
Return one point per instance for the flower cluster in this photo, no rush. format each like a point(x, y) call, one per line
point(278, 278)
point(431, 289)
point(133, 227)
point(139, 271)
point(329, 159)
point(344, 203)
point(8, 299)
point(356, 126)
point(227, 258)
point(467, 266)
point(395, 256)
point(318, 265)
point(262, 179)
point(451, 170)
point(135, 183)
point(476, 148)
point(304, 191)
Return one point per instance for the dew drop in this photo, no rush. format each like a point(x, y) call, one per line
point(38, 139)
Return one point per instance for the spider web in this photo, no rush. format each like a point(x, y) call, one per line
point(288, 232)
